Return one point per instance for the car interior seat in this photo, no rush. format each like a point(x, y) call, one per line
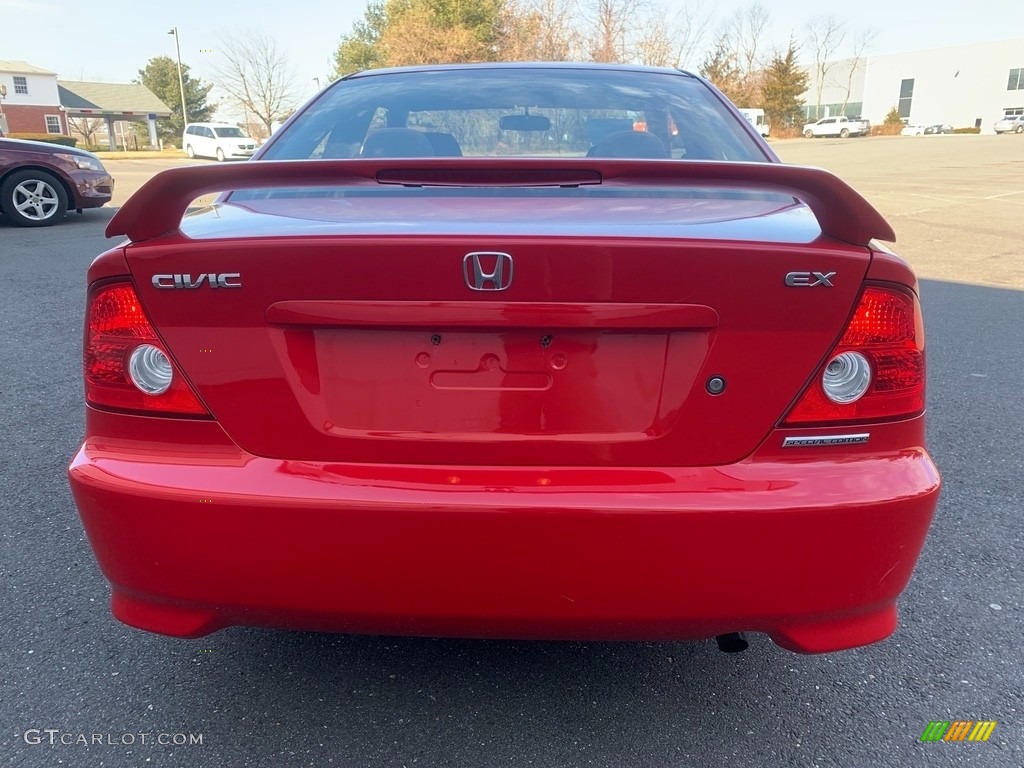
point(630, 144)
point(444, 144)
point(397, 142)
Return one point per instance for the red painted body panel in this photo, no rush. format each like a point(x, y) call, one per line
point(811, 547)
point(888, 267)
point(600, 394)
point(487, 314)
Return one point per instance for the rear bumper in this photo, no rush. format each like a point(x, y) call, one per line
point(198, 537)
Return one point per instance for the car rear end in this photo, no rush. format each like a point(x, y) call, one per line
point(550, 396)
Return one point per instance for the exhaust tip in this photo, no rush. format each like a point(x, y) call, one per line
point(733, 642)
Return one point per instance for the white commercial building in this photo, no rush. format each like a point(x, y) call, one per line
point(965, 85)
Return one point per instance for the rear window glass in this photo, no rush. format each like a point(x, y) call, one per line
point(517, 112)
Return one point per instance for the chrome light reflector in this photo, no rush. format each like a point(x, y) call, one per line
point(149, 369)
point(847, 377)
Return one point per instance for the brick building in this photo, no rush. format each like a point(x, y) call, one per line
point(32, 103)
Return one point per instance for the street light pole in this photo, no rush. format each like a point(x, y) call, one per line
point(181, 79)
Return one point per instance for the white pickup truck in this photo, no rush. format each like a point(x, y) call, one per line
point(837, 126)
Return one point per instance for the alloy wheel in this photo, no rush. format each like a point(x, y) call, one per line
point(36, 200)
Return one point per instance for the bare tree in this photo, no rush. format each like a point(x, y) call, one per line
point(86, 127)
point(746, 30)
point(258, 77)
point(257, 129)
point(861, 42)
point(672, 41)
point(825, 34)
point(736, 60)
point(611, 29)
point(655, 44)
point(539, 30)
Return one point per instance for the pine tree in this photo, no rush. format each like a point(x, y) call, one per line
point(161, 77)
point(783, 86)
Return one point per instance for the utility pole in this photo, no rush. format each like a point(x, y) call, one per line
point(181, 79)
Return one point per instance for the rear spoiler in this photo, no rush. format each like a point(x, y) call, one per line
point(157, 207)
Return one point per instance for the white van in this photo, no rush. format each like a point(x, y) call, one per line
point(222, 141)
point(756, 118)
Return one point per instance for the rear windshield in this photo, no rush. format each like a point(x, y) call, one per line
point(517, 112)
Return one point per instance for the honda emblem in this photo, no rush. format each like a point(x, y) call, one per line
point(487, 270)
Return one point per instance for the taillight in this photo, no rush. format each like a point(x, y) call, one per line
point(876, 371)
point(126, 365)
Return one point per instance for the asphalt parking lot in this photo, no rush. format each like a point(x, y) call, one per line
point(955, 201)
point(259, 698)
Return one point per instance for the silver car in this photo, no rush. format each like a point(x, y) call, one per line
point(1010, 124)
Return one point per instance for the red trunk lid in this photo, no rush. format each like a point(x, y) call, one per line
point(357, 335)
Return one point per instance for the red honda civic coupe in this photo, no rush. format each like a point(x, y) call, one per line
point(511, 351)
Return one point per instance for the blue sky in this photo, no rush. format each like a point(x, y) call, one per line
point(112, 41)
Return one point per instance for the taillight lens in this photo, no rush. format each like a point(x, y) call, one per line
point(877, 369)
point(126, 366)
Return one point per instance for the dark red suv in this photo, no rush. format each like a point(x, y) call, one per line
point(40, 182)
